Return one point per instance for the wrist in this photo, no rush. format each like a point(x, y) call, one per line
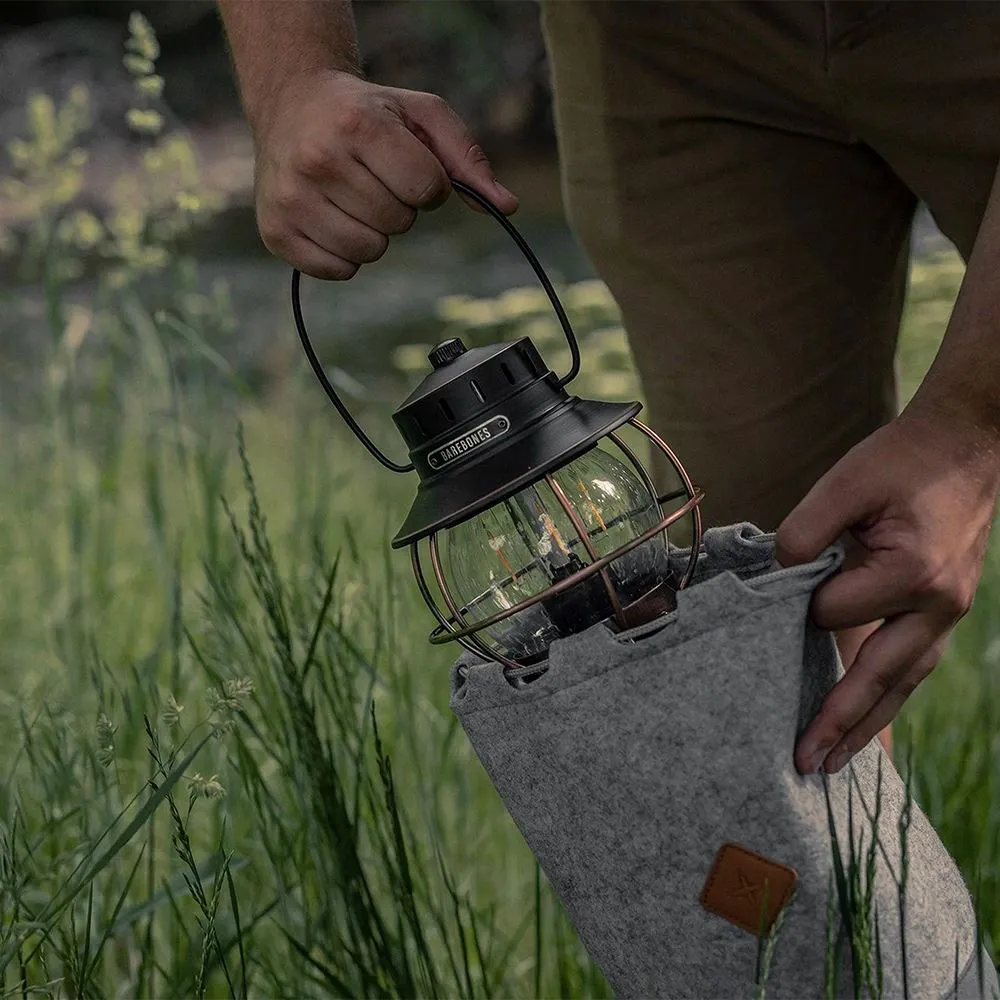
point(972, 426)
point(267, 104)
point(278, 44)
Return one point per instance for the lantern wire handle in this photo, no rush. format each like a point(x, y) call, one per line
point(324, 381)
point(536, 266)
point(543, 278)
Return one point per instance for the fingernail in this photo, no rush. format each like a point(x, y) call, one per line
point(819, 755)
point(503, 190)
point(838, 761)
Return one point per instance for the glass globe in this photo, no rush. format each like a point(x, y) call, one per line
point(523, 545)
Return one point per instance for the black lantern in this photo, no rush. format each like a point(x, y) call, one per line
point(538, 518)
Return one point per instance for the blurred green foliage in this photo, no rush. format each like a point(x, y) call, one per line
point(608, 371)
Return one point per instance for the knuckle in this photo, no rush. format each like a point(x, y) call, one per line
point(331, 268)
point(436, 102)
point(274, 235)
point(475, 156)
point(429, 189)
point(882, 681)
point(926, 579)
point(939, 589)
point(841, 726)
point(312, 157)
point(355, 121)
point(962, 597)
point(371, 248)
point(286, 198)
point(953, 603)
point(379, 247)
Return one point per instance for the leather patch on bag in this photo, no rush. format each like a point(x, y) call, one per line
point(735, 888)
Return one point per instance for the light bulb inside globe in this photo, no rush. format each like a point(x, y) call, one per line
point(542, 535)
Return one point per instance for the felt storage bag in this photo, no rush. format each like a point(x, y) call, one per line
point(651, 774)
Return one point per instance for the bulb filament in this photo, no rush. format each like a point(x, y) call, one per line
point(496, 544)
point(592, 505)
point(551, 531)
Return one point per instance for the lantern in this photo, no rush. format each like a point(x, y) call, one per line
point(537, 518)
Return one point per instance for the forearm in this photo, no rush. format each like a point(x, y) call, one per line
point(964, 380)
point(275, 42)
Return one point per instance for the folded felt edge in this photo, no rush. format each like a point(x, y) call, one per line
point(736, 576)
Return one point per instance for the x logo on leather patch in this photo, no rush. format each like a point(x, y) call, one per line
point(734, 889)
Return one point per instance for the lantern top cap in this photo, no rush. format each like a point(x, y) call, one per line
point(446, 352)
point(456, 364)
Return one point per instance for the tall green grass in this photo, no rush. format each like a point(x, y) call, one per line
point(229, 764)
point(332, 833)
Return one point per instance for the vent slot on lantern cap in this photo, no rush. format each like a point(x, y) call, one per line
point(529, 361)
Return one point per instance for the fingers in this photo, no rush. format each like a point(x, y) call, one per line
point(353, 188)
point(909, 574)
point(889, 665)
point(821, 517)
point(331, 167)
point(404, 165)
point(338, 233)
point(354, 228)
point(310, 258)
point(437, 125)
point(877, 588)
point(882, 714)
point(350, 167)
point(922, 526)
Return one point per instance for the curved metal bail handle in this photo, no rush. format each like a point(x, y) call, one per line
point(536, 266)
point(317, 368)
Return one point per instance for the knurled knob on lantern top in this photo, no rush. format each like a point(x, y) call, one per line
point(446, 352)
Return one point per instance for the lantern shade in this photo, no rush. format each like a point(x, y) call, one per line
point(528, 446)
point(485, 423)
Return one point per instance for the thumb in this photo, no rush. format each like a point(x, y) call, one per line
point(437, 125)
point(825, 513)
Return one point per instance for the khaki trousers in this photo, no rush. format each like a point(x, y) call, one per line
point(744, 177)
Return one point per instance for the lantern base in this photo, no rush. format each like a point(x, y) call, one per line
point(661, 600)
point(657, 602)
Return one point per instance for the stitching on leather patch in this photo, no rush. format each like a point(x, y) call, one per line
point(734, 889)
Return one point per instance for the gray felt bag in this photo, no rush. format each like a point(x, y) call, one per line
point(651, 774)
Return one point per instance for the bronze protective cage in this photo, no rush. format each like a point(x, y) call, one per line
point(453, 627)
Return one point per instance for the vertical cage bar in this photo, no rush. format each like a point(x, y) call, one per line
point(584, 536)
point(482, 649)
point(425, 593)
point(689, 486)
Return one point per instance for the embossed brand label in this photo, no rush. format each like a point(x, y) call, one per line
point(471, 440)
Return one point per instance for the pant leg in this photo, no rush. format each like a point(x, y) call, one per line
point(757, 250)
point(921, 86)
